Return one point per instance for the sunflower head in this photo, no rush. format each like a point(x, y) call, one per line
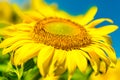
point(61, 34)
point(59, 40)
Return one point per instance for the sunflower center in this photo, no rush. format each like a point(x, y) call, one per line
point(61, 28)
point(61, 33)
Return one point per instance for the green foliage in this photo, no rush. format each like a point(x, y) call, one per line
point(29, 64)
point(31, 74)
point(10, 75)
point(77, 75)
point(28, 71)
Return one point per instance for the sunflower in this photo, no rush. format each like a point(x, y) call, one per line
point(7, 14)
point(5, 11)
point(59, 40)
point(111, 74)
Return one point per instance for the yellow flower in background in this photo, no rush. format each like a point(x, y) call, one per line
point(60, 41)
point(5, 11)
point(7, 14)
point(111, 74)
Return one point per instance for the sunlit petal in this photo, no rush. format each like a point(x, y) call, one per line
point(94, 23)
point(89, 16)
point(44, 59)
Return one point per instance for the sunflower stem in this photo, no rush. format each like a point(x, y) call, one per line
point(19, 72)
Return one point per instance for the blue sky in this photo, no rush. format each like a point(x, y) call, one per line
point(106, 8)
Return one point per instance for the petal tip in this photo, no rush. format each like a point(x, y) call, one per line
point(95, 8)
point(115, 27)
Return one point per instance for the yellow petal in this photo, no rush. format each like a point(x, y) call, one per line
point(21, 14)
point(69, 77)
point(18, 33)
point(59, 61)
point(5, 23)
point(44, 59)
point(54, 6)
point(85, 54)
point(63, 14)
point(70, 62)
point(23, 26)
point(109, 52)
point(7, 30)
point(34, 15)
point(26, 52)
point(91, 57)
point(50, 77)
point(80, 60)
point(98, 21)
point(105, 39)
point(15, 46)
point(94, 58)
point(9, 41)
point(89, 16)
point(18, 29)
point(59, 56)
point(104, 30)
point(103, 67)
point(101, 54)
point(42, 7)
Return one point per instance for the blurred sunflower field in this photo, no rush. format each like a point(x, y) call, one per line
point(59, 40)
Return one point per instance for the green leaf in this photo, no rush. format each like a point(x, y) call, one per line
point(10, 75)
point(3, 67)
point(3, 78)
point(64, 76)
point(32, 74)
point(77, 75)
point(4, 59)
point(29, 64)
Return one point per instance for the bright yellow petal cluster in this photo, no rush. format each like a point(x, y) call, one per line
point(52, 58)
point(111, 74)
